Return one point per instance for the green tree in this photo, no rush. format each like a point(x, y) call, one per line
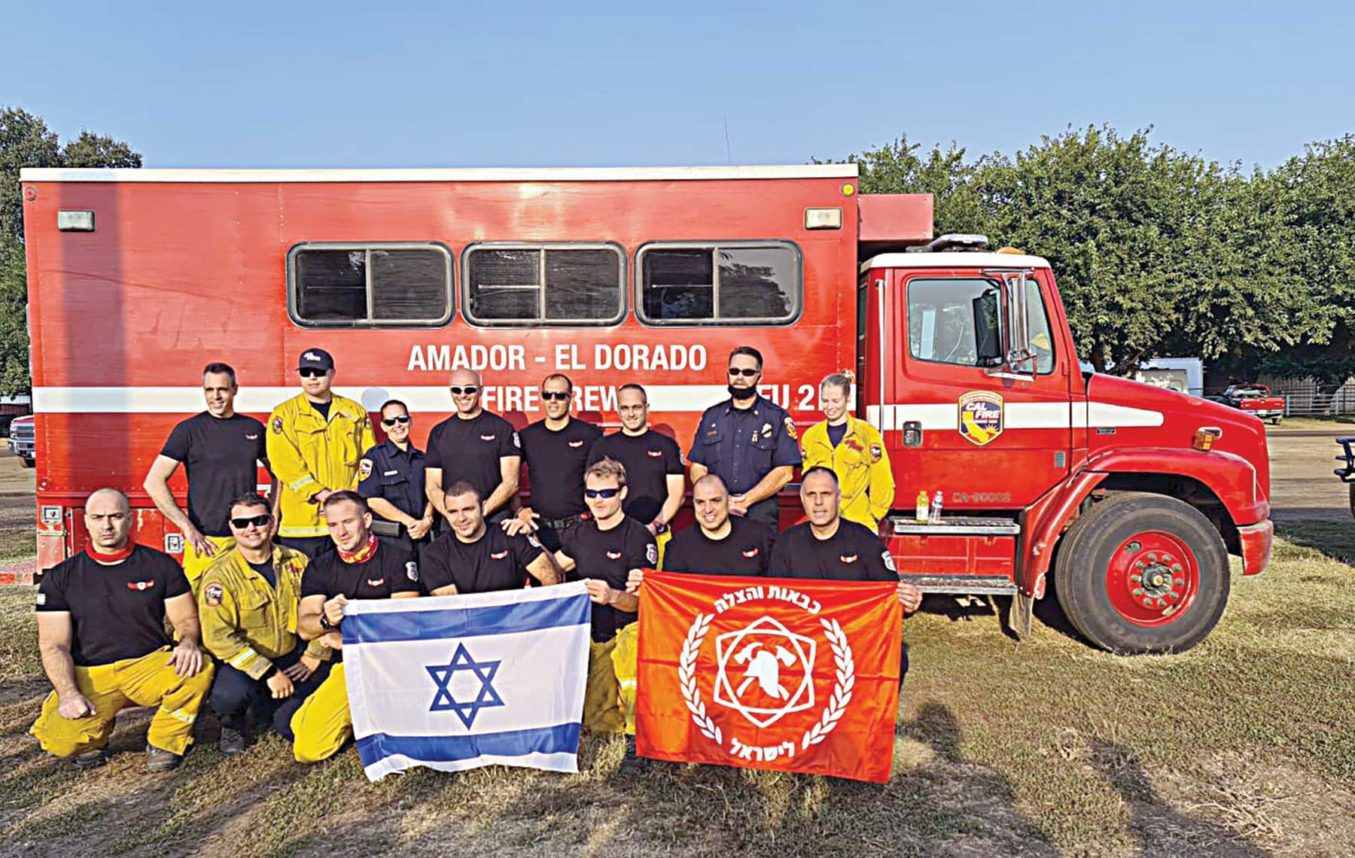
point(897, 168)
point(26, 141)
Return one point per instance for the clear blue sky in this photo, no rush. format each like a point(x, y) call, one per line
point(296, 84)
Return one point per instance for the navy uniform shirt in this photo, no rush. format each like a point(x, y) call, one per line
point(388, 472)
point(743, 445)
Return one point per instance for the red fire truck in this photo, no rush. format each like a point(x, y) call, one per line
point(1130, 496)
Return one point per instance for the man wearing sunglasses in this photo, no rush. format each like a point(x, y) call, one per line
point(247, 605)
point(556, 449)
point(360, 567)
point(221, 452)
point(748, 441)
point(473, 558)
point(315, 441)
point(391, 478)
point(476, 446)
point(653, 462)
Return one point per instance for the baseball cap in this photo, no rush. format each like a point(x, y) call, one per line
point(315, 359)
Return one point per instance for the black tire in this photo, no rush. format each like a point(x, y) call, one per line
point(1083, 567)
point(28, 463)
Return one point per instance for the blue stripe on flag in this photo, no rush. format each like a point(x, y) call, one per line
point(466, 622)
point(441, 749)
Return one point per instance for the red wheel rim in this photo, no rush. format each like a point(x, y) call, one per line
point(1152, 578)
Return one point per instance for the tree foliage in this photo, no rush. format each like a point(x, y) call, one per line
point(26, 141)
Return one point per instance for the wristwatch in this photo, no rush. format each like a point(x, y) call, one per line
point(325, 623)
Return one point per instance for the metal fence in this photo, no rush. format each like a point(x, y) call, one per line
point(1314, 404)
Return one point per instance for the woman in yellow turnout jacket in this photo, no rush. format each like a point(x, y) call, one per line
point(854, 451)
point(315, 442)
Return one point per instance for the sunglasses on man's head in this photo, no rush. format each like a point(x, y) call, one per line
point(257, 521)
point(746, 373)
point(468, 390)
point(311, 372)
point(549, 395)
point(391, 421)
point(601, 493)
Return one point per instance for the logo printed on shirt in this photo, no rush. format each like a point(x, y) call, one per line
point(750, 553)
point(375, 582)
point(848, 558)
point(613, 555)
point(253, 437)
point(654, 454)
point(576, 444)
point(140, 585)
point(486, 437)
point(498, 555)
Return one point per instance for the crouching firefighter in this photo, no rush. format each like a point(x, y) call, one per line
point(248, 605)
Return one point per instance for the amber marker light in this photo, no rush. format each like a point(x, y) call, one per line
point(848, 190)
point(1205, 437)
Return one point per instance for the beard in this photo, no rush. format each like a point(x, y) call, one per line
point(742, 393)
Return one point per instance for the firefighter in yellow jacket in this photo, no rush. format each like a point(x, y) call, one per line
point(315, 444)
point(248, 607)
point(852, 449)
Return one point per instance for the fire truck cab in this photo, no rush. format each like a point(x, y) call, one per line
point(1130, 497)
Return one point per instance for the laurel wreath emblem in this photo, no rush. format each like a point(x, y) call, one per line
point(845, 682)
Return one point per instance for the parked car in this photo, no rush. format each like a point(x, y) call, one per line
point(1255, 399)
point(21, 441)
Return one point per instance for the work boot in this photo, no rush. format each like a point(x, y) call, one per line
point(160, 760)
point(232, 741)
point(90, 759)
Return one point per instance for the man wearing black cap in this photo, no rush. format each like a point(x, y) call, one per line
point(315, 442)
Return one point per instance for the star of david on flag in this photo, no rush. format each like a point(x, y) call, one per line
point(458, 682)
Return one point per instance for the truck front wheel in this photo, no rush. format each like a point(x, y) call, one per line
point(1143, 573)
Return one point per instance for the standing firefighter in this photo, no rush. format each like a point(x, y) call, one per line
point(852, 449)
point(315, 441)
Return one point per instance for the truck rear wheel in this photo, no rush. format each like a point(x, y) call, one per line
point(1143, 573)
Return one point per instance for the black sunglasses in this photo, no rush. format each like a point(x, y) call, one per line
point(391, 421)
point(257, 521)
point(457, 391)
point(549, 395)
point(601, 493)
point(311, 372)
point(746, 373)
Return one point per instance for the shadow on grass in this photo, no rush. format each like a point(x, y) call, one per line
point(1157, 827)
point(1330, 538)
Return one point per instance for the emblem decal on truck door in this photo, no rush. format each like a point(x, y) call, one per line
point(981, 416)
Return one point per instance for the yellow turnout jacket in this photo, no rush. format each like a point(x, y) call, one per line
point(862, 467)
point(308, 453)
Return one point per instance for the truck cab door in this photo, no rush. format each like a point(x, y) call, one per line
point(989, 439)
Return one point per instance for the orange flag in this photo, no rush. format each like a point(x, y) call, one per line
point(769, 673)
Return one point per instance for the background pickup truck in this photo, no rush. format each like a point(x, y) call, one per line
point(1255, 399)
point(21, 441)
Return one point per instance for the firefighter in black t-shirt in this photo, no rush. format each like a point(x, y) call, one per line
point(360, 568)
point(719, 544)
point(830, 547)
point(221, 452)
point(653, 462)
point(101, 631)
point(556, 450)
point(473, 558)
point(475, 446)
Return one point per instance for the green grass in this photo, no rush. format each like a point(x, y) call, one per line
point(1242, 746)
point(17, 544)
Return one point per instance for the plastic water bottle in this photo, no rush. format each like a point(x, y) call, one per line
point(922, 506)
point(936, 509)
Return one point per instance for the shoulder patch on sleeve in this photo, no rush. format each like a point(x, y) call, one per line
point(42, 599)
point(412, 570)
point(364, 469)
point(876, 452)
point(790, 428)
point(517, 442)
point(213, 595)
point(277, 425)
point(652, 553)
point(889, 561)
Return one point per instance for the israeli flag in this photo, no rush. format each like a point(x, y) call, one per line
point(458, 682)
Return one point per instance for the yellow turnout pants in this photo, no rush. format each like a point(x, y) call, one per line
point(322, 724)
point(110, 688)
point(194, 564)
point(609, 701)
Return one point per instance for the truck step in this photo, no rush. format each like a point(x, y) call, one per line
point(990, 585)
point(957, 525)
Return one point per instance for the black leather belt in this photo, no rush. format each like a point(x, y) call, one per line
point(558, 524)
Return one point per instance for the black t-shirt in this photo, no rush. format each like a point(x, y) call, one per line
point(495, 561)
point(609, 555)
point(117, 611)
point(747, 550)
point(390, 570)
point(649, 459)
point(322, 408)
point(852, 554)
point(556, 461)
point(470, 450)
point(219, 455)
point(836, 433)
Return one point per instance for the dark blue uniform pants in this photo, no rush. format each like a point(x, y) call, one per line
point(234, 693)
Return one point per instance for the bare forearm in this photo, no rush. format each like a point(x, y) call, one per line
point(189, 629)
point(160, 493)
point(501, 495)
point(769, 485)
point(623, 601)
point(390, 511)
point(671, 506)
point(308, 625)
point(60, 669)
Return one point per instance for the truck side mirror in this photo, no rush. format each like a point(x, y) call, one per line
point(1018, 354)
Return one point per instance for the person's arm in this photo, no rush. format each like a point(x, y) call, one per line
point(769, 485)
point(55, 634)
point(390, 512)
point(444, 590)
point(564, 562)
point(156, 485)
point(696, 470)
point(432, 487)
point(881, 481)
point(543, 569)
point(507, 488)
point(366, 440)
point(219, 616)
point(604, 594)
point(312, 608)
point(182, 612)
point(676, 488)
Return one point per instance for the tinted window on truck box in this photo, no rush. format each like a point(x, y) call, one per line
point(338, 285)
point(735, 283)
point(551, 284)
